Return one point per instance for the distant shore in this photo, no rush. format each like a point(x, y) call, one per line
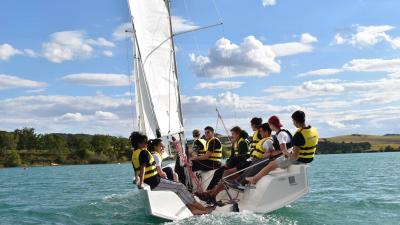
point(26, 147)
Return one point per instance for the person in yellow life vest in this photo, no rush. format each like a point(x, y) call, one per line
point(254, 123)
point(156, 147)
point(239, 154)
point(199, 144)
point(212, 158)
point(146, 172)
point(305, 142)
point(265, 145)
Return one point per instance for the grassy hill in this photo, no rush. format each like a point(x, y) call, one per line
point(377, 142)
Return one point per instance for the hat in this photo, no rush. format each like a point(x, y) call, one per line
point(274, 120)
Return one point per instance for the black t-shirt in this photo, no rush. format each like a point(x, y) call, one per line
point(214, 144)
point(298, 140)
point(144, 160)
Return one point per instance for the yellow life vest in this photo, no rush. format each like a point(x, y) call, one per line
point(236, 146)
point(204, 150)
point(310, 134)
point(216, 154)
point(254, 140)
point(150, 170)
point(259, 151)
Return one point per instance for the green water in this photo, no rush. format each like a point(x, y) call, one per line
point(345, 189)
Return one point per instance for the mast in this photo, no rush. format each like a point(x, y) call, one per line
point(175, 67)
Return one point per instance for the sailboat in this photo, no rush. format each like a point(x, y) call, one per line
point(159, 114)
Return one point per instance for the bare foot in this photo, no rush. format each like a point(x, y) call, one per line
point(251, 180)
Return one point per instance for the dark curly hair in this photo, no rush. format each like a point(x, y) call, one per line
point(152, 143)
point(256, 121)
point(137, 139)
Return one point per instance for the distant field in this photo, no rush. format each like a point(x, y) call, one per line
point(377, 142)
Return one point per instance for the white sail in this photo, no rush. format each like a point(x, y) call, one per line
point(157, 92)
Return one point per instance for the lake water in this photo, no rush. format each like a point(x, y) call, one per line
point(345, 189)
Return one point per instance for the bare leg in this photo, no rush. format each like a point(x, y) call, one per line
point(196, 211)
point(176, 178)
point(220, 186)
point(265, 171)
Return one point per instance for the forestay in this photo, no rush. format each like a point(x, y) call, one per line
point(157, 92)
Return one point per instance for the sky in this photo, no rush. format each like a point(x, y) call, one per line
point(65, 65)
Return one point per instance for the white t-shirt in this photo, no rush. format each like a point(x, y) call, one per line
point(268, 144)
point(283, 137)
point(157, 159)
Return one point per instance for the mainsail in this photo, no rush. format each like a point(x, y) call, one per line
point(157, 93)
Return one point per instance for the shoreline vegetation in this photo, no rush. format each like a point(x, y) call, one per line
point(24, 147)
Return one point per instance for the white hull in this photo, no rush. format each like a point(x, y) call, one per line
point(204, 178)
point(272, 192)
point(165, 204)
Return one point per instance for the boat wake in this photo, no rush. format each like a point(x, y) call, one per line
point(236, 218)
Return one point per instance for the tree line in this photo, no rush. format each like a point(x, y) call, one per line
point(26, 147)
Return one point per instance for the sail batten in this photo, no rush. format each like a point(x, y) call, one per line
point(156, 81)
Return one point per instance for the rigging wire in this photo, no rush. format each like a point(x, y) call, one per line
point(130, 76)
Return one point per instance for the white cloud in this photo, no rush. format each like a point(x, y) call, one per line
point(307, 38)
point(120, 32)
point(373, 65)
point(390, 66)
point(294, 48)
point(30, 52)
point(232, 105)
point(180, 24)
point(54, 113)
point(368, 36)
point(339, 39)
point(70, 45)
point(335, 124)
point(320, 72)
point(7, 51)
point(362, 92)
point(220, 85)
point(268, 2)
point(10, 82)
point(108, 53)
point(78, 117)
point(250, 58)
point(36, 91)
point(226, 59)
point(101, 42)
point(97, 79)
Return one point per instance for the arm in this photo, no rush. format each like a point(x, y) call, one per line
point(161, 172)
point(141, 177)
point(203, 157)
point(295, 153)
point(298, 140)
point(284, 149)
point(270, 149)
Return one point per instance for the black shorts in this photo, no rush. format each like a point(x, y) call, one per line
point(243, 164)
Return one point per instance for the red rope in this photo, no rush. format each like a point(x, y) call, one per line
point(187, 164)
